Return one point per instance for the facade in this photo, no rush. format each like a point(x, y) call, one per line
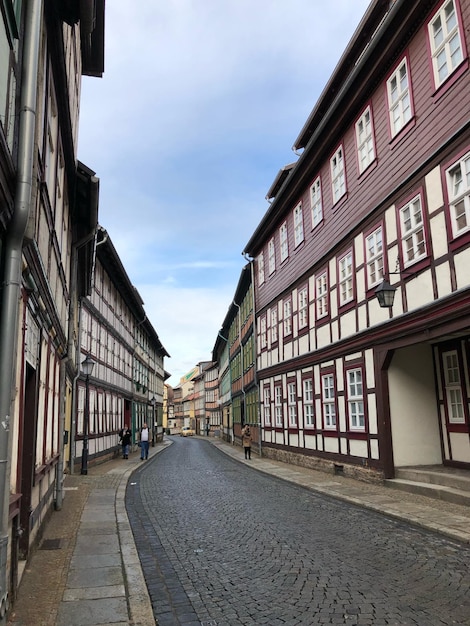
point(169, 422)
point(198, 399)
point(220, 356)
point(234, 356)
point(127, 381)
point(379, 195)
point(178, 416)
point(48, 217)
point(212, 421)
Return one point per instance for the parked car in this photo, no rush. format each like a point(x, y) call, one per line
point(186, 431)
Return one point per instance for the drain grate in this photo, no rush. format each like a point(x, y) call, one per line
point(211, 622)
point(51, 544)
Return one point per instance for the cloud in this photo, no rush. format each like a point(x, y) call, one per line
point(187, 322)
point(197, 111)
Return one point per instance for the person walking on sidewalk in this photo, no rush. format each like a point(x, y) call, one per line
point(246, 441)
point(125, 437)
point(144, 439)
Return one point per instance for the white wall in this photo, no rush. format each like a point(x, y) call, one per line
point(413, 408)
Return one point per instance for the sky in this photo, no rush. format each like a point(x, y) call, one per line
point(196, 113)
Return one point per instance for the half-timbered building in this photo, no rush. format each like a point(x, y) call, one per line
point(48, 217)
point(377, 204)
point(125, 386)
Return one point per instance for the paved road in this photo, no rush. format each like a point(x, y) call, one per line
point(221, 544)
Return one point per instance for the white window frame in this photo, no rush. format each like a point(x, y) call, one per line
point(355, 388)
point(346, 278)
point(287, 317)
point(375, 257)
point(263, 333)
point(298, 225)
point(445, 41)
point(303, 307)
point(413, 233)
point(292, 404)
point(261, 268)
point(458, 189)
point(267, 406)
point(284, 243)
point(307, 401)
point(453, 387)
point(329, 401)
point(338, 174)
point(321, 294)
point(274, 330)
point(365, 140)
point(399, 98)
point(271, 256)
point(278, 406)
point(316, 202)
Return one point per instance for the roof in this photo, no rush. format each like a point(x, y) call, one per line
point(279, 181)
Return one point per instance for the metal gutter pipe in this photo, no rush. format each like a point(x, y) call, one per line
point(13, 268)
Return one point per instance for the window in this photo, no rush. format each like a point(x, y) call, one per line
point(278, 406)
point(273, 326)
point(316, 202)
point(374, 257)
point(453, 387)
point(292, 404)
point(365, 140)
point(287, 318)
point(458, 184)
point(271, 256)
point(321, 283)
point(338, 177)
point(346, 279)
point(308, 403)
point(328, 401)
point(267, 406)
point(303, 308)
point(298, 225)
point(446, 45)
point(355, 399)
point(263, 337)
point(399, 98)
point(261, 269)
point(284, 242)
point(412, 232)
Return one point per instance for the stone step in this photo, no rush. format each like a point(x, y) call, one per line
point(458, 479)
point(438, 492)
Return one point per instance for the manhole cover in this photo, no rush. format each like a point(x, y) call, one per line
point(51, 544)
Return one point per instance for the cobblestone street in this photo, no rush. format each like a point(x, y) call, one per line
point(221, 544)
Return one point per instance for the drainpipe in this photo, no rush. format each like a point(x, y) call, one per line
point(13, 268)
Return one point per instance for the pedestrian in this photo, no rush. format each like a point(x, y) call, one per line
point(125, 438)
point(246, 441)
point(144, 438)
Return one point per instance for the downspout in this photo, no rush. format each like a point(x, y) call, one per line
point(13, 267)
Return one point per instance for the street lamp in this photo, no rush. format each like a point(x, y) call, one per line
point(385, 294)
point(87, 368)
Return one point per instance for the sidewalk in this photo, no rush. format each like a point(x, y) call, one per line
point(87, 571)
